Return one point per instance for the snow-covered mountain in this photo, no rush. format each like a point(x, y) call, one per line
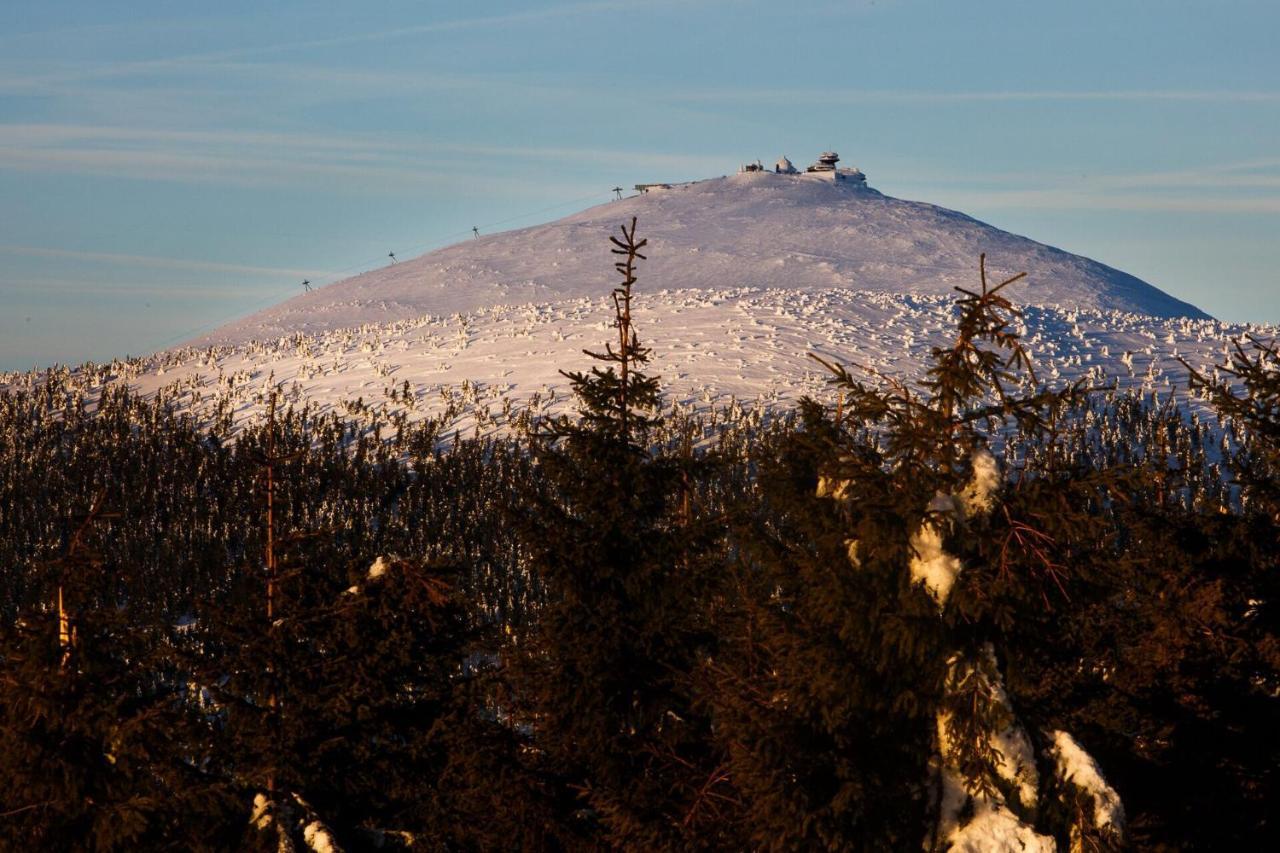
point(746, 276)
point(802, 232)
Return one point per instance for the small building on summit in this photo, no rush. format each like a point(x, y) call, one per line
point(826, 168)
point(826, 162)
point(853, 176)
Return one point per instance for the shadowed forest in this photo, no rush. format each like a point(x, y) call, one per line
point(889, 618)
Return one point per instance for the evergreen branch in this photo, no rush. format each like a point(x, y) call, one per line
point(27, 808)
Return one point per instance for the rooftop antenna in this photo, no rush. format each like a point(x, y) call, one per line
point(475, 229)
point(617, 191)
point(392, 256)
point(306, 285)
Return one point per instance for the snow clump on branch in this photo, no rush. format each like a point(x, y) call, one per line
point(931, 565)
point(1077, 769)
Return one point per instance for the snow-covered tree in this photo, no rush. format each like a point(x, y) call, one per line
point(868, 704)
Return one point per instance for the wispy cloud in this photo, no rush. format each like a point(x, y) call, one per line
point(154, 262)
point(278, 168)
point(186, 291)
point(1258, 174)
point(191, 167)
point(1235, 187)
point(1068, 199)
point(505, 19)
point(282, 159)
point(100, 71)
point(43, 134)
point(853, 96)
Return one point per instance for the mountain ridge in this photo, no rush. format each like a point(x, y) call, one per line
point(748, 230)
point(745, 277)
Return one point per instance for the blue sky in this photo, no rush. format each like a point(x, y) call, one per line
point(166, 166)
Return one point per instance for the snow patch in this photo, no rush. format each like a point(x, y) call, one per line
point(263, 817)
point(319, 839)
point(931, 565)
point(996, 831)
point(994, 824)
point(830, 487)
point(1078, 769)
point(260, 816)
point(978, 496)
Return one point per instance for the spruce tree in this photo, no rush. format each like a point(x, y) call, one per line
point(352, 699)
point(606, 678)
point(617, 402)
point(96, 720)
point(865, 704)
point(1245, 391)
point(1162, 658)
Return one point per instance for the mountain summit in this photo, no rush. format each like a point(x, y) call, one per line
point(814, 230)
point(745, 277)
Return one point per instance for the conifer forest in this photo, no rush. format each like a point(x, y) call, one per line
point(902, 616)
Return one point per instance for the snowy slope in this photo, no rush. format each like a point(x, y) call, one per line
point(711, 348)
point(756, 230)
point(745, 277)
